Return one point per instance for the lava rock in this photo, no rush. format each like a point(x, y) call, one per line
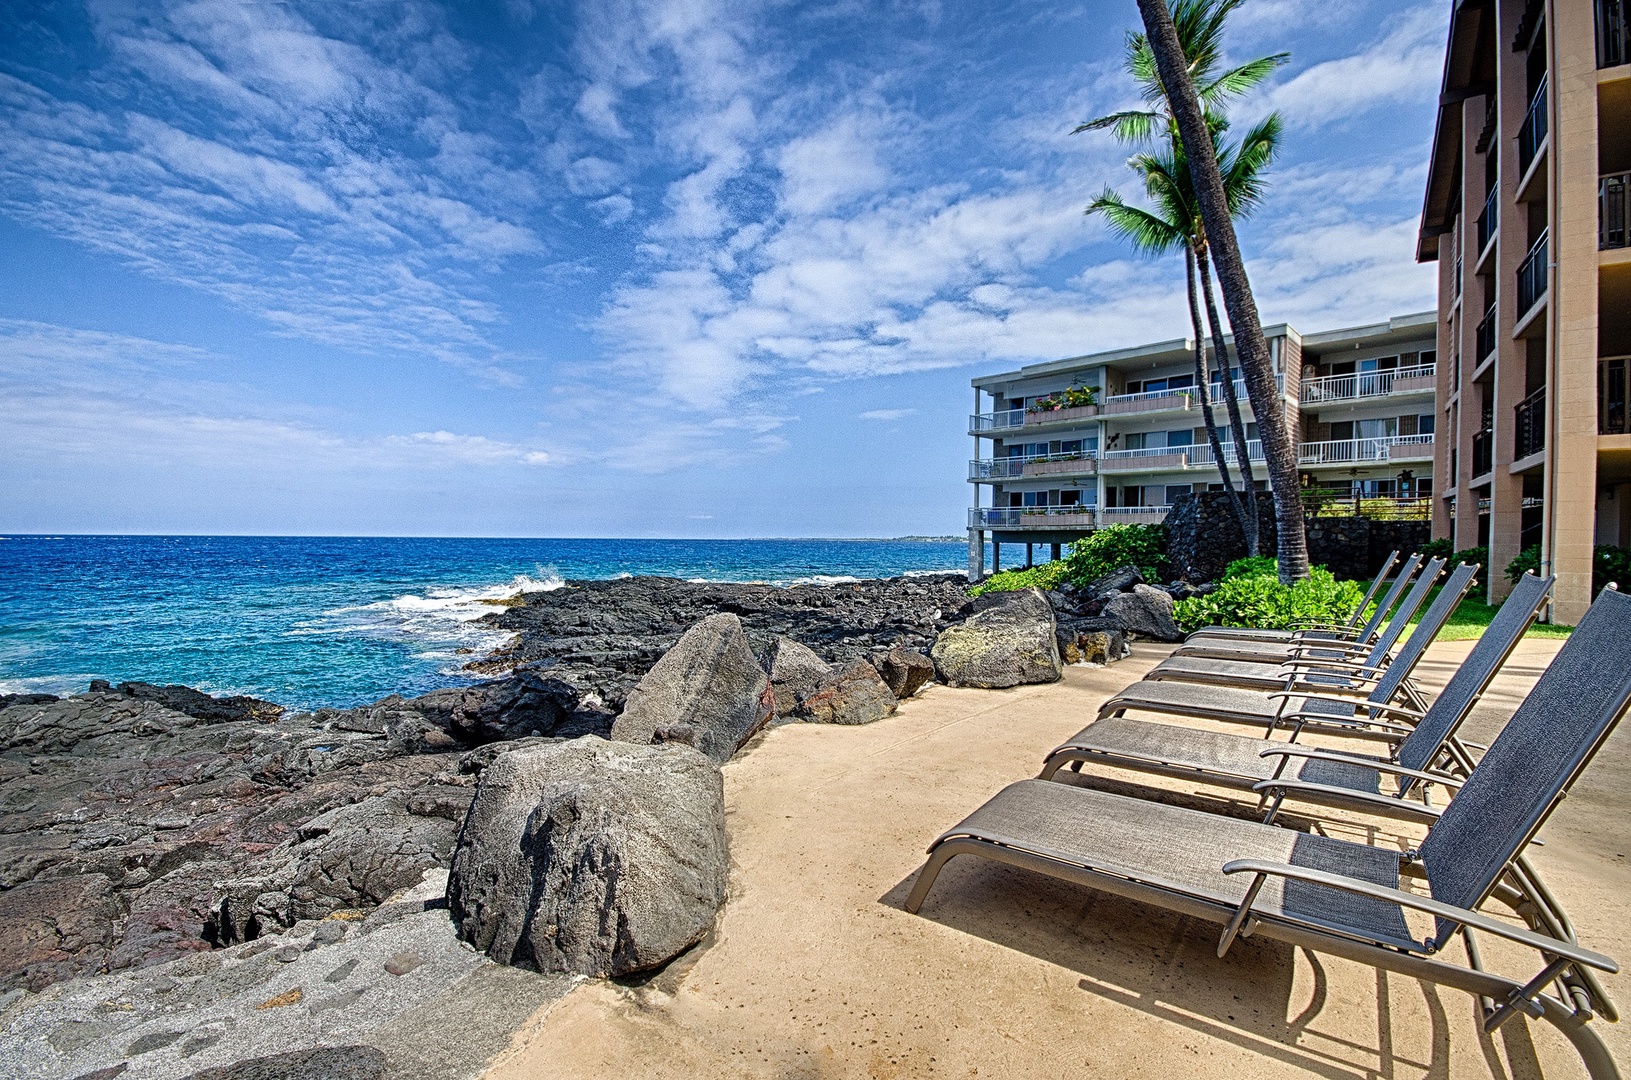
point(1007, 641)
point(1144, 611)
point(795, 670)
point(905, 671)
point(594, 857)
point(523, 704)
point(855, 695)
point(711, 681)
point(201, 706)
point(1119, 580)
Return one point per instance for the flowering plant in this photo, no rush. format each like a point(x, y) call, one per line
point(1073, 397)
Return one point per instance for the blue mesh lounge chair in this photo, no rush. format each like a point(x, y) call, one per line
point(1342, 898)
point(1423, 750)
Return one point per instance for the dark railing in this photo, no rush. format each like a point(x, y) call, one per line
point(1486, 336)
point(1529, 431)
point(1488, 220)
point(1613, 201)
point(1483, 456)
point(1533, 132)
point(1532, 276)
point(1613, 34)
point(1611, 410)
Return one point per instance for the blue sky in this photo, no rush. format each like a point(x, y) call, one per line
point(613, 268)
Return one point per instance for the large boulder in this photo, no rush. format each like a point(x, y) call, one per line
point(795, 670)
point(855, 695)
point(591, 857)
point(1008, 640)
point(1119, 580)
point(904, 670)
point(709, 682)
point(1145, 611)
point(523, 704)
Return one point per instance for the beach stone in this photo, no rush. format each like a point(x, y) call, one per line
point(795, 670)
point(1145, 611)
point(319, 1063)
point(1119, 580)
point(709, 680)
point(153, 1040)
point(591, 857)
point(855, 695)
point(403, 962)
point(1092, 646)
point(1009, 640)
point(904, 671)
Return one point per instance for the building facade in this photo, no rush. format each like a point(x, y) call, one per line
point(1526, 215)
point(1360, 402)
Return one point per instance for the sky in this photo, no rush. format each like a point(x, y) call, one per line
point(643, 268)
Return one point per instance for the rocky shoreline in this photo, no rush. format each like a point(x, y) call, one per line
point(144, 825)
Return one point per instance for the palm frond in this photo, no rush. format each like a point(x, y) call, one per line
point(1237, 81)
point(1148, 233)
point(1131, 125)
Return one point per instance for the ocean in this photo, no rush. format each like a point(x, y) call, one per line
point(338, 621)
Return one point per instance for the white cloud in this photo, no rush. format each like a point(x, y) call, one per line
point(887, 414)
point(1405, 65)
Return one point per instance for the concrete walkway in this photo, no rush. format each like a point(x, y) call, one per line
point(816, 971)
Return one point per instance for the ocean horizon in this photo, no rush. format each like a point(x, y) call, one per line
point(338, 621)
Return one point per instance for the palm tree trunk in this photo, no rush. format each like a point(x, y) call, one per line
point(1206, 405)
point(1231, 401)
point(1250, 345)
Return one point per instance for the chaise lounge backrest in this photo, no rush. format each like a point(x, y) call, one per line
point(1390, 597)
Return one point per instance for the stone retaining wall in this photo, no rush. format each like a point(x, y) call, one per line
point(1203, 538)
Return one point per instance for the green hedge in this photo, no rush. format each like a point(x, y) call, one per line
point(1608, 563)
point(1093, 556)
point(1258, 599)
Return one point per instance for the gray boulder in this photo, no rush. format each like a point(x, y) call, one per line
point(1145, 611)
point(591, 857)
point(1120, 580)
point(1088, 644)
point(855, 695)
point(709, 681)
point(795, 670)
point(1007, 641)
point(905, 671)
point(523, 704)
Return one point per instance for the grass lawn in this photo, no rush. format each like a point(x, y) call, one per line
point(1473, 615)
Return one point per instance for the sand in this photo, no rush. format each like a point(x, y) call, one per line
point(815, 969)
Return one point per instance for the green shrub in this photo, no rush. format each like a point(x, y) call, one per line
point(1610, 563)
point(1528, 559)
point(1093, 556)
point(1253, 566)
point(1478, 555)
point(1260, 600)
point(1437, 549)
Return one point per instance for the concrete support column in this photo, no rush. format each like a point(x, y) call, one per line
point(1028, 556)
point(976, 555)
point(996, 555)
point(1468, 314)
point(1056, 548)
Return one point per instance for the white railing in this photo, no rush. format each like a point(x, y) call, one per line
point(1352, 451)
point(1184, 392)
point(1143, 452)
point(1010, 467)
point(1133, 515)
point(1367, 384)
point(1194, 454)
point(1015, 517)
point(997, 421)
point(1201, 453)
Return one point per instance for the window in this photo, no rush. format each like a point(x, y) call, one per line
point(1134, 440)
point(1134, 386)
point(1380, 363)
point(1424, 424)
point(1175, 490)
point(1152, 386)
point(1179, 382)
point(1069, 497)
point(1185, 437)
point(1342, 431)
point(1430, 356)
point(1386, 427)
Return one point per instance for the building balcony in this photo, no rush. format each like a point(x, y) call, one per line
point(1171, 458)
point(1021, 467)
point(1532, 135)
point(1382, 450)
point(1486, 336)
point(1133, 515)
point(992, 422)
point(1490, 218)
point(1335, 389)
point(1611, 396)
point(1532, 277)
point(1154, 401)
point(1613, 202)
point(1041, 518)
point(1613, 34)
point(1056, 418)
point(1529, 427)
point(1318, 503)
point(1483, 452)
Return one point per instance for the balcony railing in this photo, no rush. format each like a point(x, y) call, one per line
point(1187, 457)
point(1483, 452)
point(1363, 451)
point(1201, 453)
point(1149, 401)
point(1532, 276)
point(1533, 131)
point(1613, 34)
point(1367, 384)
point(1133, 515)
point(997, 421)
point(1611, 396)
point(1486, 335)
point(1529, 429)
point(1317, 503)
point(1613, 203)
point(1011, 468)
point(1034, 517)
point(1490, 218)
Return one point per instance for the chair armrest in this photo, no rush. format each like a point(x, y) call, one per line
point(1360, 727)
point(1346, 696)
point(1315, 754)
point(1551, 946)
point(1385, 804)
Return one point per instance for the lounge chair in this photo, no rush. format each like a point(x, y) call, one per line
point(1267, 708)
point(1226, 637)
point(1338, 897)
point(1331, 657)
point(1424, 748)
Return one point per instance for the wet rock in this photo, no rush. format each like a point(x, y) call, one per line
point(1146, 612)
point(711, 681)
point(855, 695)
point(904, 671)
point(1008, 641)
point(795, 670)
point(593, 857)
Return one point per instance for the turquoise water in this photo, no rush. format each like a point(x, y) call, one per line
point(312, 621)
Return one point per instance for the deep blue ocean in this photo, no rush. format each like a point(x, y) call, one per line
point(341, 621)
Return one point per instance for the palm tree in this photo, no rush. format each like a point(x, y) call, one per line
point(1175, 222)
point(1199, 25)
point(1188, 114)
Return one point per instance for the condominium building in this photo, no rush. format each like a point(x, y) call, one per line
point(1359, 401)
point(1526, 216)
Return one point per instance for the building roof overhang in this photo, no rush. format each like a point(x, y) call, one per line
point(1469, 21)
